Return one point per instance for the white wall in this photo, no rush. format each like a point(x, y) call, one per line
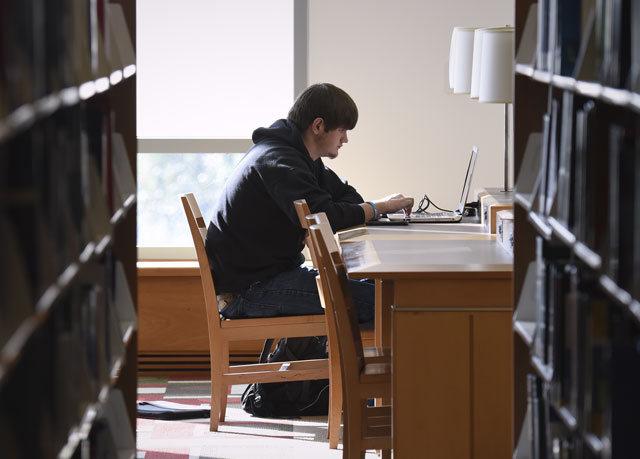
point(413, 136)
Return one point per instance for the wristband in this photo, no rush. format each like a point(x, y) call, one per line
point(375, 209)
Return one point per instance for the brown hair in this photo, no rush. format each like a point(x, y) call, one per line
point(326, 101)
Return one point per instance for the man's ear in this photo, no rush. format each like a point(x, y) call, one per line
point(317, 125)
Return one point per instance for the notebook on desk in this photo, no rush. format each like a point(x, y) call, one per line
point(444, 217)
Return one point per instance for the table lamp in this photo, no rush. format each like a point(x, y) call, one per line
point(495, 81)
point(461, 59)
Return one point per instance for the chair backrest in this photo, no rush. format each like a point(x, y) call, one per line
point(198, 227)
point(302, 209)
point(336, 282)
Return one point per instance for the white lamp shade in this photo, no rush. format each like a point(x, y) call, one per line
point(461, 59)
point(452, 58)
point(477, 61)
point(496, 67)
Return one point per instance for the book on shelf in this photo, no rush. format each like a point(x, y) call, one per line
point(613, 41)
point(624, 378)
point(568, 35)
point(525, 314)
point(81, 43)
point(96, 212)
point(15, 292)
point(597, 362)
point(552, 30)
point(121, 43)
point(113, 414)
point(124, 180)
point(633, 84)
point(552, 161)
point(564, 194)
point(584, 172)
point(544, 164)
point(528, 180)
point(586, 67)
point(573, 357)
point(629, 207)
point(538, 348)
point(527, 47)
point(612, 252)
point(123, 301)
point(542, 47)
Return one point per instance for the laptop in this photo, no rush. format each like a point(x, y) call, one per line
point(443, 217)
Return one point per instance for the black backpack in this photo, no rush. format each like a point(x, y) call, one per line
point(290, 399)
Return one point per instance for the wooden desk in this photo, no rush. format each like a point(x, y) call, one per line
point(448, 288)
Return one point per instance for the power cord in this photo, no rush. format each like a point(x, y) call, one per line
point(424, 204)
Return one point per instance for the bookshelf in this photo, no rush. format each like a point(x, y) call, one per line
point(68, 320)
point(577, 229)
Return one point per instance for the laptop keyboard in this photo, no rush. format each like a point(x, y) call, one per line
point(432, 214)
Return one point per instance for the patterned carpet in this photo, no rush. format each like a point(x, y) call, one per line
point(241, 436)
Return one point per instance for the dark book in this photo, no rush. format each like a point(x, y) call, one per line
point(552, 162)
point(564, 199)
point(538, 348)
point(534, 421)
point(586, 68)
point(544, 163)
point(612, 253)
point(569, 30)
point(571, 356)
point(597, 367)
point(542, 60)
point(583, 184)
point(616, 31)
point(625, 380)
point(633, 83)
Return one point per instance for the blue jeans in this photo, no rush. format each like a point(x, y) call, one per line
point(294, 293)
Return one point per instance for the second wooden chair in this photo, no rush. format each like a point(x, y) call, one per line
point(363, 378)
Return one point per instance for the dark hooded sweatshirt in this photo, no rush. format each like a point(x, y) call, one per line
point(255, 232)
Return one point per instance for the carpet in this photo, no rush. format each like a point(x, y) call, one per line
point(240, 436)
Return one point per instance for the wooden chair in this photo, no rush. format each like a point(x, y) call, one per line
point(363, 377)
point(223, 331)
point(335, 378)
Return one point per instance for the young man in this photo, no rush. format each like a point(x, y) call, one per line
point(254, 240)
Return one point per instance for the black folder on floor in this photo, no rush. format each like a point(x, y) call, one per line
point(170, 411)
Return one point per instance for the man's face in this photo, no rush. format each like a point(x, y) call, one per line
point(330, 142)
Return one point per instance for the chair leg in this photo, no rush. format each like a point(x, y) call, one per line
point(335, 412)
point(217, 387)
point(215, 401)
point(223, 402)
point(353, 437)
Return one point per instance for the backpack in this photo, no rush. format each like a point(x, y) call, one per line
point(290, 399)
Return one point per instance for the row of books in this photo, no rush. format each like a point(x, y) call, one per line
point(586, 353)
point(581, 176)
point(588, 40)
point(50, 45)
point(67, 362)
point(110, 433)
point(61, 184)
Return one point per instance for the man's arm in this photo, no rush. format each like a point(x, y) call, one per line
point(387, 205)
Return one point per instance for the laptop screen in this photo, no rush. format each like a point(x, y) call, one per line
point(467, 180)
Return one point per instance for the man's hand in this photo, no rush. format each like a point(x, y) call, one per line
point(394, 203)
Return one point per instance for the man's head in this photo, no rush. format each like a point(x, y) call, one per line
point(326, 101)
point(324, 113)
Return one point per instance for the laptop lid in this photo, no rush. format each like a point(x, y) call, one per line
point(467, 180)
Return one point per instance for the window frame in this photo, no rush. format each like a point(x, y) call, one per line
point(226, 145)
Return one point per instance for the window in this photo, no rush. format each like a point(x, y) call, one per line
point(208, 72)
